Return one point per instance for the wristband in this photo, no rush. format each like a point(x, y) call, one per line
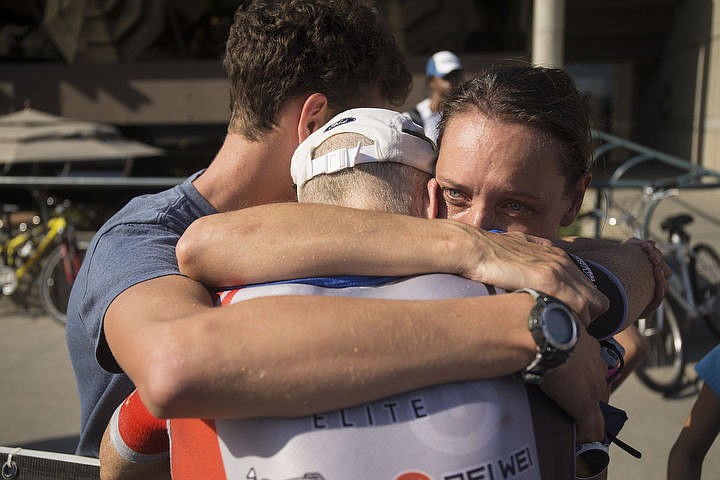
point(615, 318)
point(136, 434)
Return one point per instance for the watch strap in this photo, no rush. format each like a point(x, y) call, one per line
point(546, 357)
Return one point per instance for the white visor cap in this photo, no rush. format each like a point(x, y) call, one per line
point(396, 139)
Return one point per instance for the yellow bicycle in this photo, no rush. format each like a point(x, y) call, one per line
point(48, 251)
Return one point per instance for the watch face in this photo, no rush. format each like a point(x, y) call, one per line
point(559, 326)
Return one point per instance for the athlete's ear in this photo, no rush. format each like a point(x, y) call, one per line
point(576, 200)
point(433, 190)
point(314, 114)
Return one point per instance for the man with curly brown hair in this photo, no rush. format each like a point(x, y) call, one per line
point(291, 66)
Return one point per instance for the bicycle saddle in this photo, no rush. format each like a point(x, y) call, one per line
point(676, 222)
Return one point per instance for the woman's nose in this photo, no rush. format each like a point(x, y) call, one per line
point(482, 218)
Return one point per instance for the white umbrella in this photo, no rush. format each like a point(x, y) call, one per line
point(32, 136)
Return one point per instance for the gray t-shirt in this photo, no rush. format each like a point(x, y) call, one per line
point(136, 244)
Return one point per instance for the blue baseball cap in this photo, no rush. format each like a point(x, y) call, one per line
point(442, 63)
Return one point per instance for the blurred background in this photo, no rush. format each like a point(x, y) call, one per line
point(153, 70)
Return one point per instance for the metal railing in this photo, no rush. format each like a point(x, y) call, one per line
point(685, 175)
point(89, 182)
point(640, 154)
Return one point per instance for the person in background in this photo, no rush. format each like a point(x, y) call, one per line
point(443, 71)
point(291, 66)
point(702, 425)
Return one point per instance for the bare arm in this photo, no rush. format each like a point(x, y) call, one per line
point(636, 349)
point(281, 241)
point(700, 430)
point(300, 355)
point(135, 444)
point(292, 356)
point(114, 467)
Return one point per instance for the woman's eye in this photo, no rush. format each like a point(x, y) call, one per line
point(516, 207)
point(452, 194)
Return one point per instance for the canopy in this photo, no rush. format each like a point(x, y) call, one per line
point(32, 136)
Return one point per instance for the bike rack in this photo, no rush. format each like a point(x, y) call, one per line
point(692, 176)
point(90, 182)
point(644, 154)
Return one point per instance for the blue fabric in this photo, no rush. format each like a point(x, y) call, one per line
point(136, 244)
point(709, 369)
point(327, 282)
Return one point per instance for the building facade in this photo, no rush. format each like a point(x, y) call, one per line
point(650, 67)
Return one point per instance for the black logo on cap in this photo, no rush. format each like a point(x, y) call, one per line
point(342, 121)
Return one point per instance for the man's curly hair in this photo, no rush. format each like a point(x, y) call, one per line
point(279, 49)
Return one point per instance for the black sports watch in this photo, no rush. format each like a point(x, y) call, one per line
point(555, 330)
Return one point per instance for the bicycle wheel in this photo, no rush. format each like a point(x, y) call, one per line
point(664, 367)
point(56, 279)
point(705, 278)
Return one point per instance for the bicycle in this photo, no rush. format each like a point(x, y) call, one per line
point(45, 251)
point(694, 288)
point(693, 293)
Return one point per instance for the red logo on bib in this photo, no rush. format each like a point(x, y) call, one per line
point(412, 476)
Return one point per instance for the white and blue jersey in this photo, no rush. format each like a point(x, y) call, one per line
point(488, 429)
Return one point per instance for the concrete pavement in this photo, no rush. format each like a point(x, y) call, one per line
point(39, 404)
point(654, 422)
point(39, 407)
